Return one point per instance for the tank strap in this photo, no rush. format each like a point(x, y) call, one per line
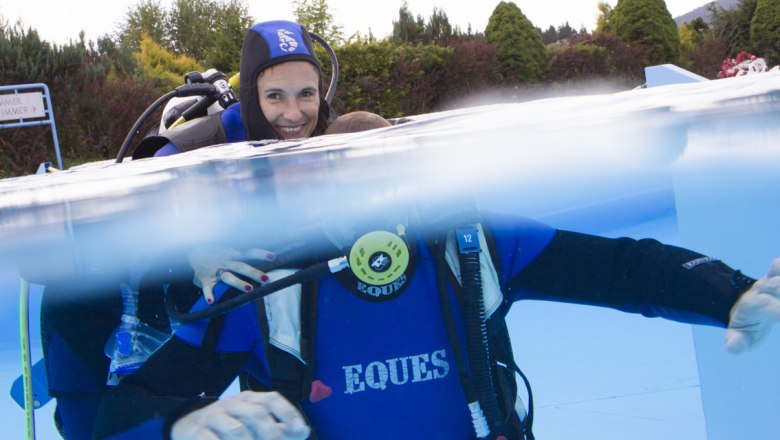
point(191, 135)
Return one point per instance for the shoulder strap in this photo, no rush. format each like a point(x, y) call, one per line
point(290, 376)
point(191, 135)
point(198, 133)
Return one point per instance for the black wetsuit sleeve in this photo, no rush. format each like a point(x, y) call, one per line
point(175, 381)
point(640, 276)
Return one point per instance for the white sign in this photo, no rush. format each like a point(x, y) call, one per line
point(21, 106)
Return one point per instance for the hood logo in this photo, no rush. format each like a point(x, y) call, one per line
point(286, 41)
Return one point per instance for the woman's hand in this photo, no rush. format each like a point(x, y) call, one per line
point(249, 415)
point(213, 264)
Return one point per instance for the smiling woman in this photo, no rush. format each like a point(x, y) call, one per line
point(289, 98)
point(280, 91)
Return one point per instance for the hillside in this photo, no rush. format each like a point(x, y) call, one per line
point(702, 11)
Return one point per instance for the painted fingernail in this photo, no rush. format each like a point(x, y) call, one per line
point(271, 257)
point(209, 300)
point(248, 287)
point(264, 278)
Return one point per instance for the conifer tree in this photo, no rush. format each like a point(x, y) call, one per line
point(233, 19)
point(733, 25)
point(438, 27)
point(518, 44)
point(147, 17)
point(163, 67)
point(647, 23)
point(190, 26)
point(765, 31)
point(408, 29)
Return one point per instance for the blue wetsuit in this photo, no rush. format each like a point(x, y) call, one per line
point(390, 363)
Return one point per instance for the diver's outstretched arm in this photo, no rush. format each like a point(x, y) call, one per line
point(756, 311)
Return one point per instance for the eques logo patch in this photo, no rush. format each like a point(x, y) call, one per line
point(286, 41)
point(403, 371)
point(382, 291)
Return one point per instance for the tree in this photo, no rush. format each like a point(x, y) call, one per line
point(700, 51)
point(549, 36)
point(120, 57)
point(604, 20)
point(733, 25)
point(163, 67)
point(438, 28)
point(315, 16)
point(408, 29)
point(233, 20)
point(211, 31)
point(519, 46)
point(647, 23)
point(147, 17)
point(191, 26)
point(565, 31)
point(458, 34)
point(692, 34)
point(765, 31)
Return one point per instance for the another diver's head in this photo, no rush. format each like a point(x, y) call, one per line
point(279, 57)
point(357, 121)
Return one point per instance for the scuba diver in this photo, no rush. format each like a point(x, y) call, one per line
point(282, 95)
point(404, 334)
point(394, 326)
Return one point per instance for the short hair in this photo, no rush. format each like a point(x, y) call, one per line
point(357, 121)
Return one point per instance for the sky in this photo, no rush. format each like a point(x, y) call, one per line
point(60, 21)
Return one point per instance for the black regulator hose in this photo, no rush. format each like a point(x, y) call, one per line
point(181, 91)
point(334, 62)
point(310, 273)
point(477, 340)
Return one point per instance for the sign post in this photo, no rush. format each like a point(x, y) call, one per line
point(28, 109)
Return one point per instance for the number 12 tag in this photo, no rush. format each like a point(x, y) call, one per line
point(468, 239)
